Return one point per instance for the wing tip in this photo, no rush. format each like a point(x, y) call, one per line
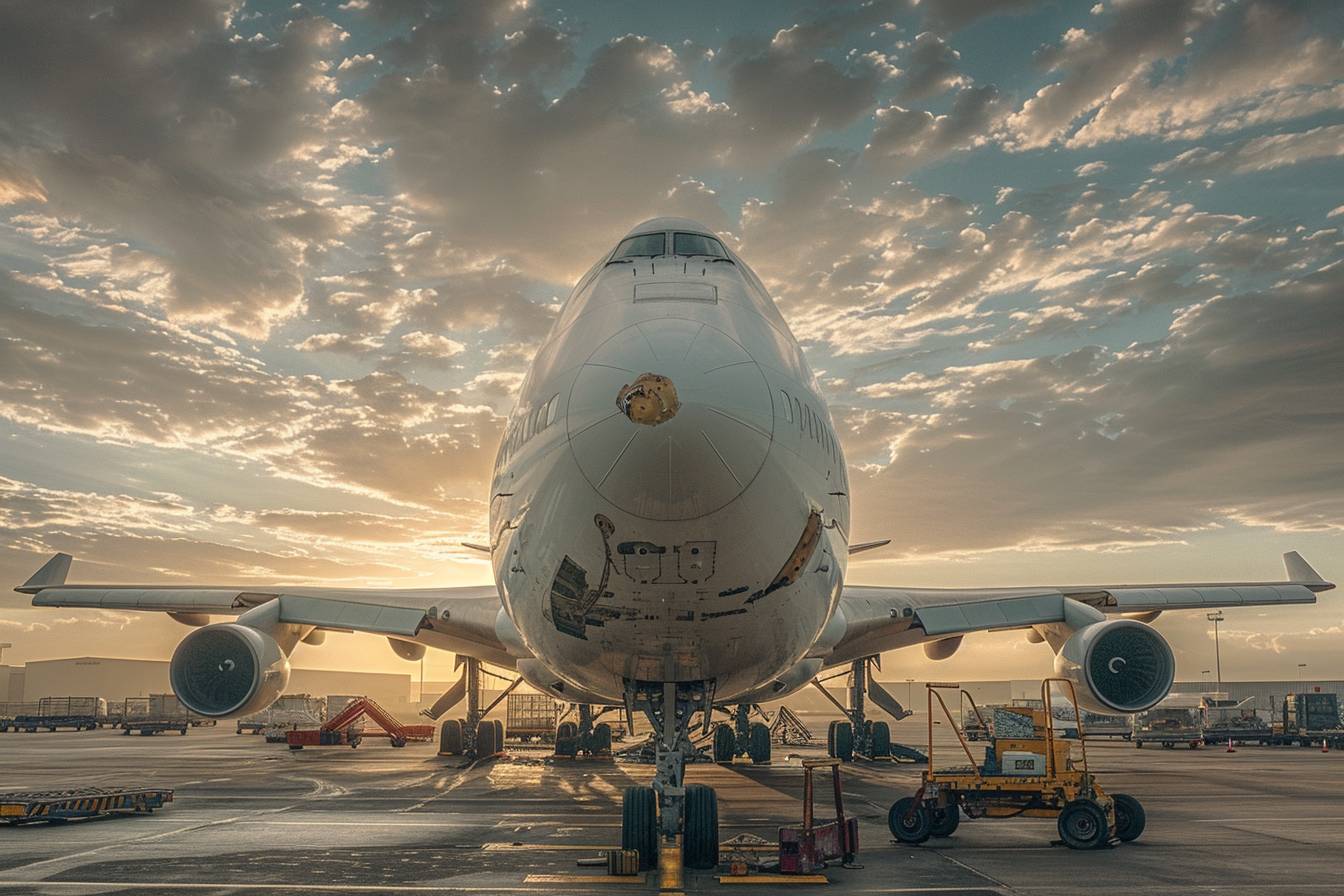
point(51, 575)
point(1301, 572)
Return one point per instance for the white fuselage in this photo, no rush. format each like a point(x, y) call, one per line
point(670, 501)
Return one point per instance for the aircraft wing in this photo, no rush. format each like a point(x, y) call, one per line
point(879, 618)
point(457, 619)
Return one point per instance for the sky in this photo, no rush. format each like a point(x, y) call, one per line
point(1069, 273)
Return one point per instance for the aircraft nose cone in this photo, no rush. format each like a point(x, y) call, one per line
point(670, 419)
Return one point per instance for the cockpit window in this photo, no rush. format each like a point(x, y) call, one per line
point(697, 244)
point(646, 245)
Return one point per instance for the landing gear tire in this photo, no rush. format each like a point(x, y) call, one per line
point(639, 824)
point(499, 736)
point(485, 739)
point(725, 743)
point(450, 738)
point(880, 738)
point(700, 844)
point(944, 821)
point(909, 822)
point(759, 745)
point(842, 742)
point(1083, 825)
point(568, 729)
point(1130, 818)
point(602, 738)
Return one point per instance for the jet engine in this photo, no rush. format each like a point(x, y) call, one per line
point(228, 670)
point(1118, 666)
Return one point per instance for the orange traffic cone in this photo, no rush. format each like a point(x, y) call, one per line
point(1230, 748)
point(1325, 745)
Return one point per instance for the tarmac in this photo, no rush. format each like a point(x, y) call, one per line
point(251, 817)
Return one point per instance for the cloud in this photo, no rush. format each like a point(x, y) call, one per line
point(1142, 442)
point(932, 68)
point(172, 145)
point(378, 434)
point(1260, 153)
point(1167, 70)
point(951, 15)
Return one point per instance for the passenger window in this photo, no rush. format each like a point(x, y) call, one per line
point(697, 244)
point(646, 245)
point(788, 408)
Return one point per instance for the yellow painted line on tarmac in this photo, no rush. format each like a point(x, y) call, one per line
point(775, 879)
point(630, 880)
point(577, 847)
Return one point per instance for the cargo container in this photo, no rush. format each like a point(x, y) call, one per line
point(154, 714)
point(1227, 720)
point(79, 713)
point(1311, 719)
point(1178, 719)
point(531, 717)
point(286, 713)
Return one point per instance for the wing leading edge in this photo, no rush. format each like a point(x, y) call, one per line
point(878, 619)
point(457, 619)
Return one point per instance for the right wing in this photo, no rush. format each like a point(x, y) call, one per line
point(458, 619)
point(876, 619)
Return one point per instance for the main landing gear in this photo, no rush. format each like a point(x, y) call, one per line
point(474, 736)
point(743, 737)
point(858, 735)
point(583, 736)
point(653, 816)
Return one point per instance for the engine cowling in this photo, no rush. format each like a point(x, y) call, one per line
point(1117, 666)
point(228, 670)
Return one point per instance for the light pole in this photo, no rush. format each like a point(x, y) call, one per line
point(2, 650)
point(1300, 667)
point(1206, 673)
point(1216, 618)
point(909, 692)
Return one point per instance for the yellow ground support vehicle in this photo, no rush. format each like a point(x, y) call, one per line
point(1032, 775)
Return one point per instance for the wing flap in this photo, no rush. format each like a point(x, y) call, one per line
point(356, 617)
point(205, 600)
point(992, 613)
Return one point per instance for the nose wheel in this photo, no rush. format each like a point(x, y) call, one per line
point(653, 817)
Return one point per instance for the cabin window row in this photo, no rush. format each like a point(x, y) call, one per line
point(527, 425)
point(810, 423)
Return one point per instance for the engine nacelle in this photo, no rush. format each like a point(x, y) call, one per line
point(1118, 666)
point(228, 670)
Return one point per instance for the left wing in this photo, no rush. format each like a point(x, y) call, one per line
point(877, 618)
point(458, 619)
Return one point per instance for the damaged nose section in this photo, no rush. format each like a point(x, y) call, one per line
point(651, 399)
point(691, 426)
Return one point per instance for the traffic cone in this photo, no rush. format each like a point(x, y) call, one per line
point(1230, 748)
point(1325, 745)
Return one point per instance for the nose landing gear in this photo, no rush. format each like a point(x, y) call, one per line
point(653, 817)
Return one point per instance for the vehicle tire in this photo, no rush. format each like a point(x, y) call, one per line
point(450, 738)
point(1168, 745)
point(639, 824)
point(499, 736)
point(880, 741)
point(397, 742)
point(725, 744)
point(296, 746)
point(1129, 817)
point(567, 729)
point(944, 821)
point(1194, 745)
point(908, 822)
point(700, 845)
point(759, 743)
point(1083, 825)
point(485, 739)
point(1138, 745)
point(602, 738)
point(830, 739)
point(844, 742)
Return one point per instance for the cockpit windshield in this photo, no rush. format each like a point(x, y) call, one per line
point(697, 244)
point(646, 245)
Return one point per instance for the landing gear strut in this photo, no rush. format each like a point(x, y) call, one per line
point(473, 736)
point(653, 816)
point(743, 737)
point(858, 735)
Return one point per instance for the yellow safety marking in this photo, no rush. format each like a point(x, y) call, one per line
point(669, 867)
point(628, 879)
point(546, 846)
point(773, 879)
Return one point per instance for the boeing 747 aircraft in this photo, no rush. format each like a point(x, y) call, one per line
point(669, 534)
